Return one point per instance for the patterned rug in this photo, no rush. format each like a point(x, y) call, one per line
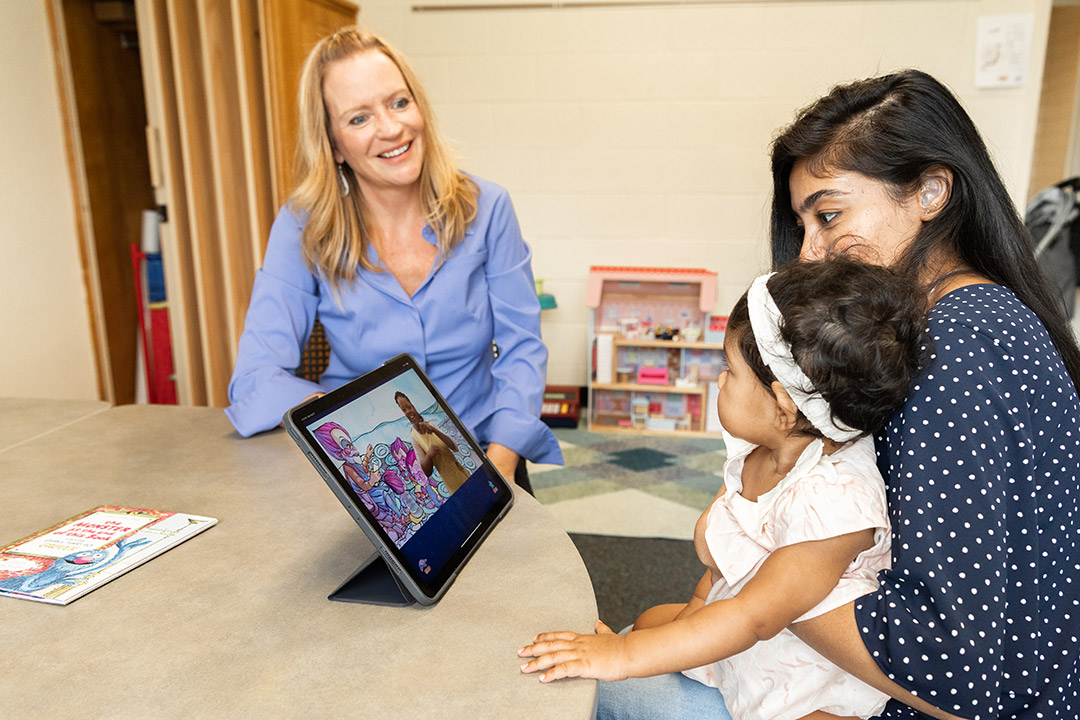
point(630, 485)
point(630, 503)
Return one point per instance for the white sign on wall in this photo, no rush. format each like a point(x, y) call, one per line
point(1003, 50)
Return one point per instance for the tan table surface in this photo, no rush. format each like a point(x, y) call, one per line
point(24, 418)
point(235, 621)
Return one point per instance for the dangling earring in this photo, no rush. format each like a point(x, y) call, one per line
point(344, 180)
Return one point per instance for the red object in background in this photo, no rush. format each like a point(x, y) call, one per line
point(561, 406)
point(160, 382)
point(693, 408)
point(652, 376)
point(155, 339)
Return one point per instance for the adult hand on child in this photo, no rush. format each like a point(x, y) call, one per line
point(567, 654)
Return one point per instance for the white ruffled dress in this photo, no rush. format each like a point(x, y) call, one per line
point(822, 497)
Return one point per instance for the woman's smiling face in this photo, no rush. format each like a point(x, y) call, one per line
point(847, 212)
point(376, 125)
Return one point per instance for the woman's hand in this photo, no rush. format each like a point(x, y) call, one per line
point(425, 428)
point(567, 654)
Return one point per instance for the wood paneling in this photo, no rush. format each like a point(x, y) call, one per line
point(221, 158)
point(191, 80)
point(1059, 101)
point(77, 176)
point(209, 105)
point(255, 128)
point(170, 188)
point(106, 78)
point(291, 29)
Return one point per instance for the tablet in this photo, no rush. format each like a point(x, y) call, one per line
point(409, 473)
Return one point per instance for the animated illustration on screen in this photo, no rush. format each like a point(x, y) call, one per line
point(412, 461)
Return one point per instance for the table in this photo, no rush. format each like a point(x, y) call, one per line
point(235, 622)
point(24, 418)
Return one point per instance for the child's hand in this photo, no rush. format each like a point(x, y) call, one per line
point(568, 654)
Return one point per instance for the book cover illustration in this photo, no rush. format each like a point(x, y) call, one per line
point(68, 560)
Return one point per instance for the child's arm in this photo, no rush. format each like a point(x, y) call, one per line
point(789, 583)
point(663, 614)
point(701, 594)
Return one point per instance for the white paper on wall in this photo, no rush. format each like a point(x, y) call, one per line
point(1003, 50)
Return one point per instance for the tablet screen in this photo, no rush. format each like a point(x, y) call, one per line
point(403, 459)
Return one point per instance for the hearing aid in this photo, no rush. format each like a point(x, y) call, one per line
point(931, 190)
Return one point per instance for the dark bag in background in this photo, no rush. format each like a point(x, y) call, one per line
point(1051, 219)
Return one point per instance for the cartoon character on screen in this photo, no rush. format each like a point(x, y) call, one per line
point(72, 569)
point(434, 448)
point(376, 496)
point(413, 510)
point(387, 486)
point(429, 490)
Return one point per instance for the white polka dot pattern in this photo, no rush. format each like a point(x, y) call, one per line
point(978, 614)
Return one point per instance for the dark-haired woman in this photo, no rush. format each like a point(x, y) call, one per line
point(979, 614)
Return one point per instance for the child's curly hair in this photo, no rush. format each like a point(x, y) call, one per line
point(857, 331)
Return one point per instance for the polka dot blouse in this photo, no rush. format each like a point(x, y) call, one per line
point(979, 613)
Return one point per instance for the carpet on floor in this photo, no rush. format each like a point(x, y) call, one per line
point(630, 575)
point(632, 568)
point(683, 470)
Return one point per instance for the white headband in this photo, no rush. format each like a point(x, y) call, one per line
point(765, 320)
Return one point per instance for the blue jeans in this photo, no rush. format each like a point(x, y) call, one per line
point(663, 697)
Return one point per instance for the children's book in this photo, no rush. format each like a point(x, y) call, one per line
point(68, 560)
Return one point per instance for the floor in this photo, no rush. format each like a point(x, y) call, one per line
point(630, 485)
point(630, 503)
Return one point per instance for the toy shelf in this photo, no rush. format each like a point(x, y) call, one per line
point(634, 387)
point(669, 344)
point(655, 353)
point(635, 431)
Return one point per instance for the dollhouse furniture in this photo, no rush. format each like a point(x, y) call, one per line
point(646, 373)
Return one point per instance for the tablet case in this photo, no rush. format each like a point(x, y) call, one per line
point(382, 579)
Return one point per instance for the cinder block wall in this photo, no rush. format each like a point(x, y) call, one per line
point(639, 136)
point(634, 136)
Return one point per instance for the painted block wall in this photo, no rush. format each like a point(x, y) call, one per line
point(631, 136)
point(640, 135)
point(44, 317)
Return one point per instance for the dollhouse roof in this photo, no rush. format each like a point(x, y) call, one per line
point(594, 288)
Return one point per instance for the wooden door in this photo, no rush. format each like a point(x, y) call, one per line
point(1057, 135)
point(100, 80)
point(292, 28)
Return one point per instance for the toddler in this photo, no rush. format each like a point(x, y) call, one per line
point(820, 355)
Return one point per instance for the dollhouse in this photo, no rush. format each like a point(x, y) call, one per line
point(655, 348)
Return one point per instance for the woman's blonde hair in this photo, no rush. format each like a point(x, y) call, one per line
point(336, 237)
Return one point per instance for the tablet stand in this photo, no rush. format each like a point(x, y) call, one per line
point(373, 584)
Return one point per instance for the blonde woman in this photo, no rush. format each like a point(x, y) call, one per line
point(395, 250)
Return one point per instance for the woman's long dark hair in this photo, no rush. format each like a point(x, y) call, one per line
point(894, 129)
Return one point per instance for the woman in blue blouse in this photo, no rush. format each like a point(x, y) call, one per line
point(396, 251)
point(980, 613)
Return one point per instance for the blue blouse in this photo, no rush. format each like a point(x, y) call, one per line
point(979, 614)
point(483, 292)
